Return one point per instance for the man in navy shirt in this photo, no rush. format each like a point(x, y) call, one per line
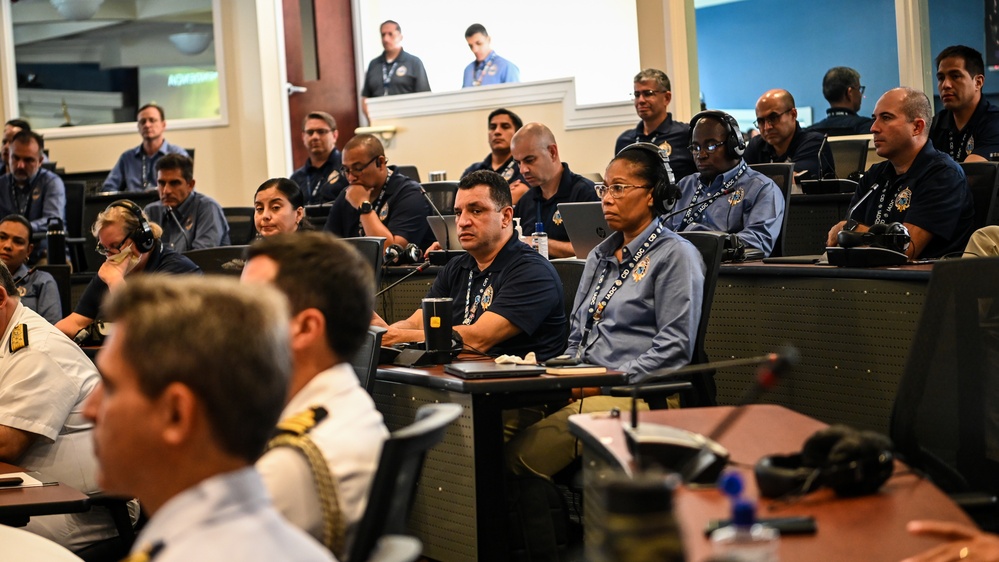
point(652, 97)
point(918, 185)
point(394, 71)
point(782, 139)
point(320, 179)
point(841, 88)
point(136, 167)
point(503, 123)
point(968, 126)
point(506, 297)
point(552, 182)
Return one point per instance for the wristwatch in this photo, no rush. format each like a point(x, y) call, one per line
point(365, 207)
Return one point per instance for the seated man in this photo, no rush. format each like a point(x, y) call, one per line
point(37, 289)
point(190, 220)
point(918, 186)
point(782, 139)
point(44, 380)
point(488, 67)
point(135, 168)
point(652, 97)
point(319, 178)
point(314, 270)
point(552, 182)
point(968, 126)
point(132, 246)
point(11, 128)
point(378, 201)
point(506, 297)
point(186, 406)
point(30, 190)
point(841, 88)
point(503, 123)
point(754, 211)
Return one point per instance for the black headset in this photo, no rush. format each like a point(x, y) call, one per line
point(851, 462)
point(735, 146)
point(397, 255)
point(143, 235)
point(665, 192)
point(893, 236)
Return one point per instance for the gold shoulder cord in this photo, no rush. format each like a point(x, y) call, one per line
point(292, 432)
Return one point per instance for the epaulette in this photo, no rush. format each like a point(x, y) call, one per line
point(302, 422)
point(18, 338)
point(146, 554)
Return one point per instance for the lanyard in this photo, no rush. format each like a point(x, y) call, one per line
point(377, 207)
point(485, 66)
point(694, 213)
point(959, 153)
point(470, 308)
point(387, 73)
point(145, 171)
point(22, 199)
point(882, 215)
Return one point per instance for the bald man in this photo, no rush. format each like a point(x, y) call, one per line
point(551, 182)
point(782, 139)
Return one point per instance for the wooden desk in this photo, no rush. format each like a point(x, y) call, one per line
point(865, 528)
point(460, 508)
point(17, 505)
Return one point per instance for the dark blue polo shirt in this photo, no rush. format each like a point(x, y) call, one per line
point(510, 170)
point(403, 209)
point(979, 136)
point(406, 75)
point(572, 188)
point(521, 286)
point(841, 121)
point(803, 151)
point(933, 194)
point(671, 136)
point(323, 184)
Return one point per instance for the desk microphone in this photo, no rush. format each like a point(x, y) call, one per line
point(821, 175)
point(170, 213)
point(850, 223)
point(416, 270)
point(448, 254)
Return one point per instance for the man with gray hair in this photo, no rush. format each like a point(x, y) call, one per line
point(319, 178)
point(917, 185)
point(186, 406)
point(652, 96)
point(841, 88)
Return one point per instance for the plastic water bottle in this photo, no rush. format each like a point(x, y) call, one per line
point(744, 540)
point(539, 240)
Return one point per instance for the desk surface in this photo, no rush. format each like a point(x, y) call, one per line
point(435, 377)
point(865, 528)
point(914, 272)
point(21, 503)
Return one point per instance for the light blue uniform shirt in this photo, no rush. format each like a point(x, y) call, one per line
point(204, 224)
point(39, 292)
point(127, 174)
point(497, 70)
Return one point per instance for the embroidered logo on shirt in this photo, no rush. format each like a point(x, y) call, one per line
point(487, 298)
point(970, 146)
point(557, 217)
point(189, 223)
point(492, 70)
point(333, 177)
point(384, 213)
point(22, 291)
point(641, 269)
point(507, 174)
point(36, 193)
point(401, 71)
point(666, 146)
point(736, 197)
point(903, 199)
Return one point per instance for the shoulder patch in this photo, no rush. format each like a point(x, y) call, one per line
point(302, 422)
point(18, 338)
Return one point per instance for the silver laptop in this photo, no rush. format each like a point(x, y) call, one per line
point(585, 225)
point(445, 231)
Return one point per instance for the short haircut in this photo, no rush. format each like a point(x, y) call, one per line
point(183, 329)
point(293, 193)
point(157, 107)
point(26, 136)
point(393, 22)
point(371, 145)
point(7, 281)
point(654, 75)
point(177, 162)
point(915, 105)
point(19, 123)
point(476, 28)
point(973, 62)
point(322, 115)
point(648, 165)
point(837, 81)
point(517, 122)
point(21, 220)
point(116, 214)
point(318, 270)
point(499, 189)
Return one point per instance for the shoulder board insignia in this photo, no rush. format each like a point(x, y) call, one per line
point(18, 338)
point(302, 422)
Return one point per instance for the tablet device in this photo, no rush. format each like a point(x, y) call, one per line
point(473, 370)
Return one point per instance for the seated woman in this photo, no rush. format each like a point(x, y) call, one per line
point(132, 245)
point(279, 206)
point(637, 307)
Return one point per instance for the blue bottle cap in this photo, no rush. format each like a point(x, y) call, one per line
point(743, 513)
point(731, 484)
point(539, 227)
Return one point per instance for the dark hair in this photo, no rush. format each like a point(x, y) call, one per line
point(973, 62)
point(293, 193)
point(648, 165)
point(517, 122)
point(393, 22)
point(654, 75)
point(7, 281)
point(318, 270)
point(499, 189)
point(372, 146)
point(476, 28)
point(177, 162)
point(20, 219)
point(27, 135)
point(154, 106)
point(837, 81)
point(19, 123)
point(321, 115)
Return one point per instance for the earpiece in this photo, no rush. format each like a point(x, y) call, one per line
point(735, 146)
point(143, 235)
point(665, 192)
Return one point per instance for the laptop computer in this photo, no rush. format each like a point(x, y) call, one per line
point(445, 231)
point(585, 225)
point(492, 370)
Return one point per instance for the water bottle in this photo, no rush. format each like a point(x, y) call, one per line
point(744, 540)
point(539, 240)
point(56, 237)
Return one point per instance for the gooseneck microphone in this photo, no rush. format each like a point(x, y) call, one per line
point(416, 270)
point(821, 175)
point(850, 223)
point(173, 216)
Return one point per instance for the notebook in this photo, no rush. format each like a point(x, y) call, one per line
point(448, 226)
point(585, 224)
point(492, 370)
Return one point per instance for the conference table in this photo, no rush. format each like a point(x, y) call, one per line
point(863, 528)
point(460, 509)
point(17, 505)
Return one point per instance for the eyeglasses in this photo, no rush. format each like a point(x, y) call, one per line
point(356, 170)
point(102, 250)
point(616, 190)
point(646, 93)
point(320, 132)
point(710, 147)
point(771, 119)
point(861, 89)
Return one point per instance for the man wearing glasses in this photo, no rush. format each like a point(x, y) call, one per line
point(841, 88)
point(652, 96)
point(968, 126)
point(378, 201)
point(782, 139)
point(754, 210)
point(320, 179)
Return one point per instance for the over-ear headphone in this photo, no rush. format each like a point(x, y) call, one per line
point(735, 146)
point(397, 255)
point(665, 192)
point(142, 236)
point(851, 462)
point(893, 236)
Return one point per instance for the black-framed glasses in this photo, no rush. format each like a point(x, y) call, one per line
point(710, 147)
point(616, 190)
point(861, 89)
point(320, 132)
point(646, 93)
point(356, 170)
point(771, 119)
point(102, 250)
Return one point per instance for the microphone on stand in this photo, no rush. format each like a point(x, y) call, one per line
point(850, 223)
point(821, 175)
point(416, 270)
point(173, 216)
